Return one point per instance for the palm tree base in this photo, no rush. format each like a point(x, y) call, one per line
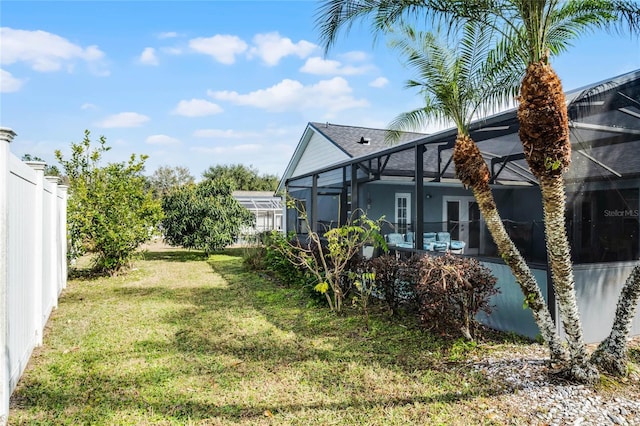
point(584, 372)
point(611, 359)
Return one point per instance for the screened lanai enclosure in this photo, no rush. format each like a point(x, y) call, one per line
point(412, 185)
point(266, 208)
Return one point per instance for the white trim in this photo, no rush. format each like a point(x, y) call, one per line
point(403, 195)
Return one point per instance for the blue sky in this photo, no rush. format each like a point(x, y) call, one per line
point(204, 83)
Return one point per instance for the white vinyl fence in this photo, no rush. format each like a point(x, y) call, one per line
point(33, 265)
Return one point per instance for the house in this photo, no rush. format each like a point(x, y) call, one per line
point(336, 169)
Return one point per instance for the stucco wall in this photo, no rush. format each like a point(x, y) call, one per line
point(598, 287)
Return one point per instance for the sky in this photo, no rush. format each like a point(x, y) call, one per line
point(198, 84)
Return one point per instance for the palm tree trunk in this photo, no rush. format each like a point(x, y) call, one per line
point(524, 277)
point(472, 170)
point(544, 132)
point(558, 253)
point(611, 354)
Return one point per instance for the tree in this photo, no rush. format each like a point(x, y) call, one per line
point(167, 178)
point(533, 30)
point(109, 212)
point(456, 83)
point(244, 178)
point(203, 216)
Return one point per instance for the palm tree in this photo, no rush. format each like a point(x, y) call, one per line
point(456, 84)
point(533, 30)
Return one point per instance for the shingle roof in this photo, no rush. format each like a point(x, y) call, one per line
point(348, 138)
point(605, 135)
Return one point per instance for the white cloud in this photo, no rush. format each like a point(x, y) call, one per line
point(88, 105)
point(124, 119)
point(8, 83)
point(45, 52)
point(223, 48)
point(223, 134)
point(291, 95)
point(355, 56)
point(162, 140)
point(197, 108)
point(320, 66)
point(168, 34)
point(172, 50)
point(148, 56)
point(271, 47)
point(379, 82)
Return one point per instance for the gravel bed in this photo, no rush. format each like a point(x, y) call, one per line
point(531, 391)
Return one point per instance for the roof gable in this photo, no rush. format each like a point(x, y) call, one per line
point(324, 144)
point(350, 138)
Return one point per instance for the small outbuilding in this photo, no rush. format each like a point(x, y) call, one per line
point(265, 206)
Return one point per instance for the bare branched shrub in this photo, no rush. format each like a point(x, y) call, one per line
point(451, 290)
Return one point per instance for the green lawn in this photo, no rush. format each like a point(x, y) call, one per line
point(186, 340)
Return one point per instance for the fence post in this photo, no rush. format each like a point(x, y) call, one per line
point(51, 228)
point(6, 136)
point(63, 191)
point(38, 250)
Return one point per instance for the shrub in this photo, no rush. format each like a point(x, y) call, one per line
point(328, 257)
point(451, 290)
point(276, 261)
point(395, 280)
point(253, 256)
point(110, 211)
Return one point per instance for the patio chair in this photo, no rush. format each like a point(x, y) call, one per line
point(394, 239)
point(409, 237)
point(429, 240)
point(452, 246)
point(444, 240)
point(407, 242)
point(457, 246)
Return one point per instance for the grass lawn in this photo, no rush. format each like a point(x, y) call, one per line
point(184, 340)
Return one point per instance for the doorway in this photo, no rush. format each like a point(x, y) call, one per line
point(461, 217)
point(403, 212)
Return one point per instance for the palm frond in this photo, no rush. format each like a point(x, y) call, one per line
point(457, 76)
point(334, 16)
point(540, 27)
point(415, 120)
point(615, 15)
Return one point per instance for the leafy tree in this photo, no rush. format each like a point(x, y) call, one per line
point(533, 30)
point(166, 178)
point(456, 83)
point(109, 212)
point(243, 178)
point(203, 216)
